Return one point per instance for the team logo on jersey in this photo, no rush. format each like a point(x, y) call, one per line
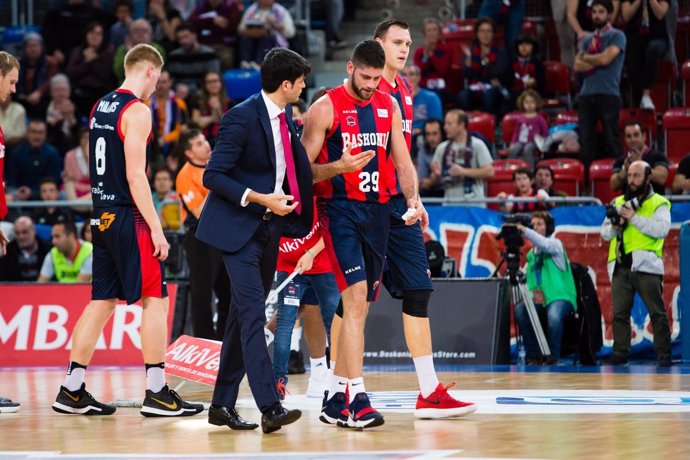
point(383, 113)
point(351, 121)
point(408, 100)
point(105, 221)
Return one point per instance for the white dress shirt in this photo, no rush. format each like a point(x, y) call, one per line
point(273, 112)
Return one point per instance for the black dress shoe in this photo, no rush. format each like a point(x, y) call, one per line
point(219, 415)
point(277, 416)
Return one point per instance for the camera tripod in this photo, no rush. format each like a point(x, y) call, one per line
point(519, 292)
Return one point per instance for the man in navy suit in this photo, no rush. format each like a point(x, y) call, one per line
point(260, 183)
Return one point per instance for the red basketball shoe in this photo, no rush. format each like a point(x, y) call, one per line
point(440, 404)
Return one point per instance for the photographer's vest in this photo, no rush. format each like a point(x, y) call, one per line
point(634, 239)
point(556, 284)
point(66, 272)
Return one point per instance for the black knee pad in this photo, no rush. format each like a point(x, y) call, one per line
point(339, 310)
point(416, 303)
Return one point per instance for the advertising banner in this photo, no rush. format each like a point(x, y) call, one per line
point(37, 321)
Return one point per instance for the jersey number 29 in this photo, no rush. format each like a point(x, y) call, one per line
point(369, 182)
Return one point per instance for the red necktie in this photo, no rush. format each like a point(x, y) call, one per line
point(289, 162)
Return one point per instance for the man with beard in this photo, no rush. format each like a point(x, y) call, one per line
point(635, 261)
point(353, 137)
point(599, 62)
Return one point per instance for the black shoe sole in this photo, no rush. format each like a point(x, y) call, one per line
point(269, 428)
point(217, 422)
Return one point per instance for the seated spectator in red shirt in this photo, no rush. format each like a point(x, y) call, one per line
point(433, 58)
point(212, 103)
point(527, 69)
point(522, 179)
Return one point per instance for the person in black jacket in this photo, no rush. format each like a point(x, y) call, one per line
point(24, 254)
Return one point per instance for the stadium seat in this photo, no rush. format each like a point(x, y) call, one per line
point(599, 178)
point(483, 123)
point(557, 90)
point(458, 30)
point(456, 82)
point(672, 168)
point(645, 116)
point(662, 90)
point(508, 124)
point(685, 75)
point(242, 83)
point(676, 126)
point(568, 174)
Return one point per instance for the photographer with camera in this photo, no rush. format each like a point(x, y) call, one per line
point(636, 224)
point(550, 281)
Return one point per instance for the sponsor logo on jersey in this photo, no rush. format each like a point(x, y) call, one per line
point(383, 113)
point(107, 218)
point(350, 120)
point(408, 100)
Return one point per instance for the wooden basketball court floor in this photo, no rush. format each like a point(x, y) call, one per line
point(559, 412)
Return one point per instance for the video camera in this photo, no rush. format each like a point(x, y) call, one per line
point(513, 239)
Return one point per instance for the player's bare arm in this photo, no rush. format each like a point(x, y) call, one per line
point(317, 122)
point(136, 126)
point(407, 173)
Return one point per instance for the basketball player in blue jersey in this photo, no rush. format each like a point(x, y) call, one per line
point(129, 245)
point(351, 136)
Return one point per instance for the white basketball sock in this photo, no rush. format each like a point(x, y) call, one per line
point(426, 374)
point(338, 385)
point(318, 368)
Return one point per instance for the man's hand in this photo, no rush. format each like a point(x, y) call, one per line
point(456, 170)
point(626, 212)
point(160, 244)
point(416, 212)
point(3, 243)
point(435, 167)
point(350, 162)
point(305, 263)
point(277, 203)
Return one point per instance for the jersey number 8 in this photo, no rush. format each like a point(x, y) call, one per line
point(100, 156)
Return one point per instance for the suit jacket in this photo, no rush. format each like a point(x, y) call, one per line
point(244, 157)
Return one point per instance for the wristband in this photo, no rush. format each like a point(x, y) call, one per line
point(310, 253)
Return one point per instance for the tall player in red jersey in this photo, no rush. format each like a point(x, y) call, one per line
point(9, 74)
point(350, 134)
point(408, 276)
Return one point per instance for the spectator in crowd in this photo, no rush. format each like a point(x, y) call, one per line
point(334, 19)
point(70, 259)
point(13, 122)
point(207, 274)
point(543, 180)
point(566, 35)
point(169, 114)
point(522, 180)
point(165, 199)
point(76, 171)
point(432, 136)
point(635, 262)
point(32, 161)
point(681, 182)
point(527, 69)
point(637, 149)
point(600, 61)
point(185, 7)
point(24, 254)
point(647, 38)
point(191, 61)
point(35, 71)
point(462, 162)
point(217, 21)
point(62, 117)
point(433, 58)
point(484, 66)
point(506, 13)
point(164, 20)
point(264, 25)
point(120, 29)
point(528, 125)
point(63, 25)
point(579, 16)
point(51, 215)
point(139, 32)
point(90, 68)
point(426, 104)
point(213, 102)
point(550, 281)
point(86, 234)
